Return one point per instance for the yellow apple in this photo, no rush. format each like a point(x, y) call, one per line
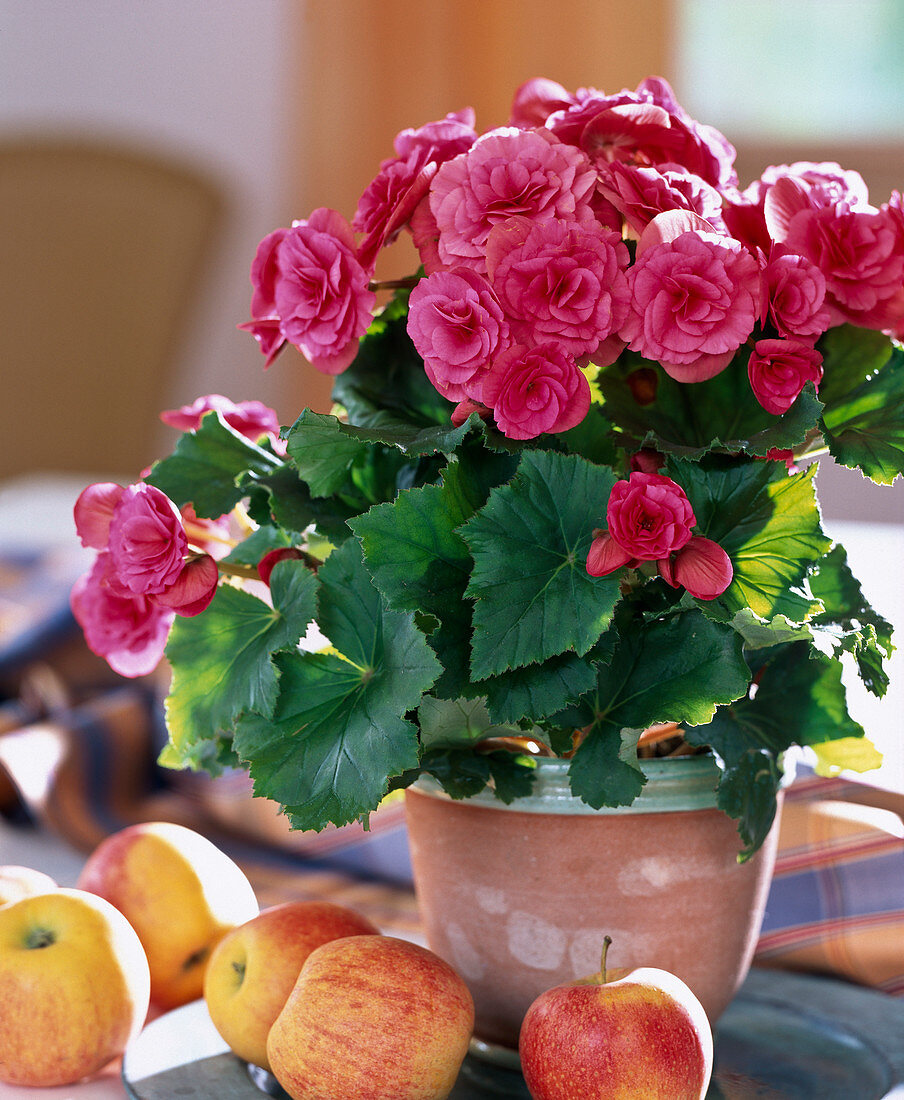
point(253, 968)
point(22, 882)
point(74, 987)
point(372, 1016)
point(180, 893)
point(617, 1036)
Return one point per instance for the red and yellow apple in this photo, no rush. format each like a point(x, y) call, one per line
point(22, 882)
point(617, 1036)
point(372, 1017)
point(253, 968)
point(74, 987)
point(180, 893)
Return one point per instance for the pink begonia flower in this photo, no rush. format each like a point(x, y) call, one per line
point(94, 512)
point(860, 255)
point(694, 301)
point(783, 190)
point(793, 293)
point(425, 236)
point(264, 323)
point(506, 172)
point(536, 100)
point(559, 281)
point(440, 140)
point(322, 294)
point(147, 541)
point(646, 127)
point(391, 197)
point(778, 370)
point(701, 566)
point(650, 519)
point(193, 588)
point(649, 516)
point(129, 632)
point(386, 206)
point(535, 390)
point(457, 326)
point(251, 419)
point(640, 193)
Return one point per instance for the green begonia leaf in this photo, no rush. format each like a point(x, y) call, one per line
point(669, 670)
point(205, 467)
point(768, 523)
point(324, 449)
point(337, 735)
point(850, 621)
point(721, 414)
point(534, 597)
point(260, 542)
point(537, 691)
point(290, 504)
point(222, 660)
point(799, 699)
point(863, 424)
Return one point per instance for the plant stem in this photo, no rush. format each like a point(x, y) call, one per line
point(407, 283)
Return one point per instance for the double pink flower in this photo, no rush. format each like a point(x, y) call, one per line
point(650, 519)
point(145, 573)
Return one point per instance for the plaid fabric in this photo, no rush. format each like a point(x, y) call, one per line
point(836, 905)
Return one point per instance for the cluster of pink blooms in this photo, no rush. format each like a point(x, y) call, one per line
point(522, 231)
point(153, 562)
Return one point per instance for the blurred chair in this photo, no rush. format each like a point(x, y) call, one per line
point(102, 252)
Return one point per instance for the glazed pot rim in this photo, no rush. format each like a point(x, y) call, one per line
point(677, 783)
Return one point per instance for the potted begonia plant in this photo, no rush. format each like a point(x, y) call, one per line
point(563, 508)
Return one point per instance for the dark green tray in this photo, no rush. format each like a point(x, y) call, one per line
point(785, 1037)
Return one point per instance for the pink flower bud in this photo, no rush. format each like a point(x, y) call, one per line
point(193, 589)
point(271, 558)
point(605, 555)
point(701, 566)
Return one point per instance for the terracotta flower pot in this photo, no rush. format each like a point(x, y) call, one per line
point(518, 898)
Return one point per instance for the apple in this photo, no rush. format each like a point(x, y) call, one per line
point(74, 987)
point(22, 882)
point(180, 893)
point(372, 1016)
point(617, 1036)
point(253, 968)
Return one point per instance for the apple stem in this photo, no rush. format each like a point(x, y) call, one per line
point(607, 940)
point(38, 938)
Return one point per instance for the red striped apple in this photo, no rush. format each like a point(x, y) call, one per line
point(74, 985)
point(181, 894)
point(22, 882)
point(374, 1018)
point(617, 1036)
point(254, 967)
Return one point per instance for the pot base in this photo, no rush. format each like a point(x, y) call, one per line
point(519, 901)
